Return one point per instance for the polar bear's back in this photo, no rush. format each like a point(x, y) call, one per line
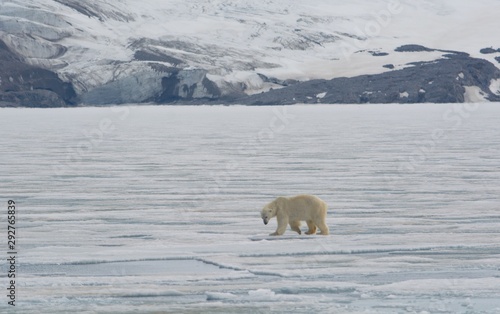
point(306, 207)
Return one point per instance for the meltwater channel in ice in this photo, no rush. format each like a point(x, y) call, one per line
point(156, 209)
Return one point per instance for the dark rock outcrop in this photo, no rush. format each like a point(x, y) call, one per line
point(440, 81)
point(277, 81)
point(187, 85)
point(378, 54)
point(413, 48)
point(24, 85)
point(489, 50)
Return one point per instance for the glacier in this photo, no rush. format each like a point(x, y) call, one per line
point(227, 51)
point(153, 209)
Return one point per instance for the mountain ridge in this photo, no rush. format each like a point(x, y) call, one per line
point(235, 52)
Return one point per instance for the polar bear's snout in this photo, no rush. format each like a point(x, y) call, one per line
point(265, 218)
point(266, 214)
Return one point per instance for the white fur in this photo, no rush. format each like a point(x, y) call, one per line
point(293, 210)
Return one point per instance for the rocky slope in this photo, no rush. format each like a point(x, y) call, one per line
point(25, 85)
point(68, 52)
point(456, 78)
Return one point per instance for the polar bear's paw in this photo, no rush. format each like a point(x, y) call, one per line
point(311, 226)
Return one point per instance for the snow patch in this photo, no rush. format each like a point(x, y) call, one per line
point(321, 95)
point(249, 82)
point(265, 294)
point(495, 86)
point(474, 94)
point(220, 296)
point(404, 95)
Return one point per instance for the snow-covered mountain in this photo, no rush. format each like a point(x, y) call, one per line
point(119, 51)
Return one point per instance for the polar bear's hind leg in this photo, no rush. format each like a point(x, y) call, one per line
point(312, 227)
point(323, 227)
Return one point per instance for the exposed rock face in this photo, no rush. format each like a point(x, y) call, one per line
point(489, 50)
point(26, 85)
point(30, 86)
point(156, 83)
point(187, 85)
point(441, 81)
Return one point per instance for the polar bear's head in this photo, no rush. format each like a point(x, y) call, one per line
point(270, 210)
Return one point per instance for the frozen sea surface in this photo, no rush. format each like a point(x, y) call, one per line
point(156, 209)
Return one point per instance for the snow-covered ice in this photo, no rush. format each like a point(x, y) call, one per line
point(152, 209)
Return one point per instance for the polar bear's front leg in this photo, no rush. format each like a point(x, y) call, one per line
point(295, 225)
point(282, 224)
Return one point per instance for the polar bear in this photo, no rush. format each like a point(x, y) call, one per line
point(291, 210)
